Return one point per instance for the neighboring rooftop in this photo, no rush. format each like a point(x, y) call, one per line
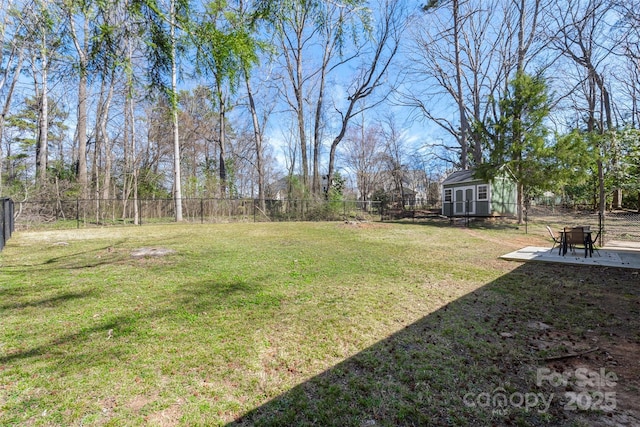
point(459, 176)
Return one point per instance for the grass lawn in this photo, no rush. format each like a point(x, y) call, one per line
point(309, 324)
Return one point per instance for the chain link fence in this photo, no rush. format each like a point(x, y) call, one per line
point(616, 225)
point(613, 225)
point(6, 220)
point(104, 212)
point(623, 226)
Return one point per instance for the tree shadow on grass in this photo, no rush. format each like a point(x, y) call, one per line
point(192, 298)
point(476, 360)
point(52, 301)
point(56, 344)
point(458, 222)
point(74, 261)
point(227, 293)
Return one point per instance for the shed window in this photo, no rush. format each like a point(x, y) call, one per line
point(447, 195)
point(483, 192)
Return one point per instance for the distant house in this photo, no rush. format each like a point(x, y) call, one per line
point(410, 186)
point(465, 195)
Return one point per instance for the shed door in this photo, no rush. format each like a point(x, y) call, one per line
point(464, 200)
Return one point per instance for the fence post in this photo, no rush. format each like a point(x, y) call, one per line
point(7, 225)
point(3, 224)
point(201, 210)
point(601, 228)
point(77, 213)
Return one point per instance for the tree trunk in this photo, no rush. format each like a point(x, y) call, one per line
point(7, 101)
point(257, 133)
point(464, 125)
point(384, 50)
point(336, 141)
point(316, 181)
point(222, 141)
point(606, 100)
point(126, 182)
point(177, 185)
point(295, 73)
point(130, 186)
point(107, 144)
point(43, 125)
point(81, 128)
point(302, 136)
point(317, 125)
point(132, 156)
point(524, 43)
point(601, 189)
point(82, 134)
point(97, 154)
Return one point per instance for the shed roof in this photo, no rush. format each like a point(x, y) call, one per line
point(459, 176)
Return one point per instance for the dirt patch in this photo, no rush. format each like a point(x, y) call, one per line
point(364, 225)
point(151, 252)
point(168, 417)
point(139, 402)
point(598, 350)
point(605, 379)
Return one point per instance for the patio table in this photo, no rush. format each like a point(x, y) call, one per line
point(588, 242)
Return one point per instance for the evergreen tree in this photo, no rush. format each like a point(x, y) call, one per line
point(629, 174)
point(518, 137)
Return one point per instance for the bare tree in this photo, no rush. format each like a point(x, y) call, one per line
point(12, 55)
point(80, 11)
point(247, 12)
point(199, 121)
point(456, 89)
point(627, 41)
point(43, 41)
point(102, 150)
point(395, 157)
point(527, 14)
point(579, 27)
point(465, 79)
point(362, 156)
point(156, 156)
point(163, 24)
point(173, 59)
point(258, 135)
point(130, 137)
point(373, 71)
point(259, 123)
point(292, 22)
point(311, 36)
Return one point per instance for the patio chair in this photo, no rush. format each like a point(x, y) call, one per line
point(557, 240)
point(573, 237)
point(594, 241)
point(590, 240)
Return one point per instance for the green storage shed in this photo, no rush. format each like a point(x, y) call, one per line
point(465, 195)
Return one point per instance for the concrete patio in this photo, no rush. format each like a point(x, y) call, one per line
point(614, 254)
